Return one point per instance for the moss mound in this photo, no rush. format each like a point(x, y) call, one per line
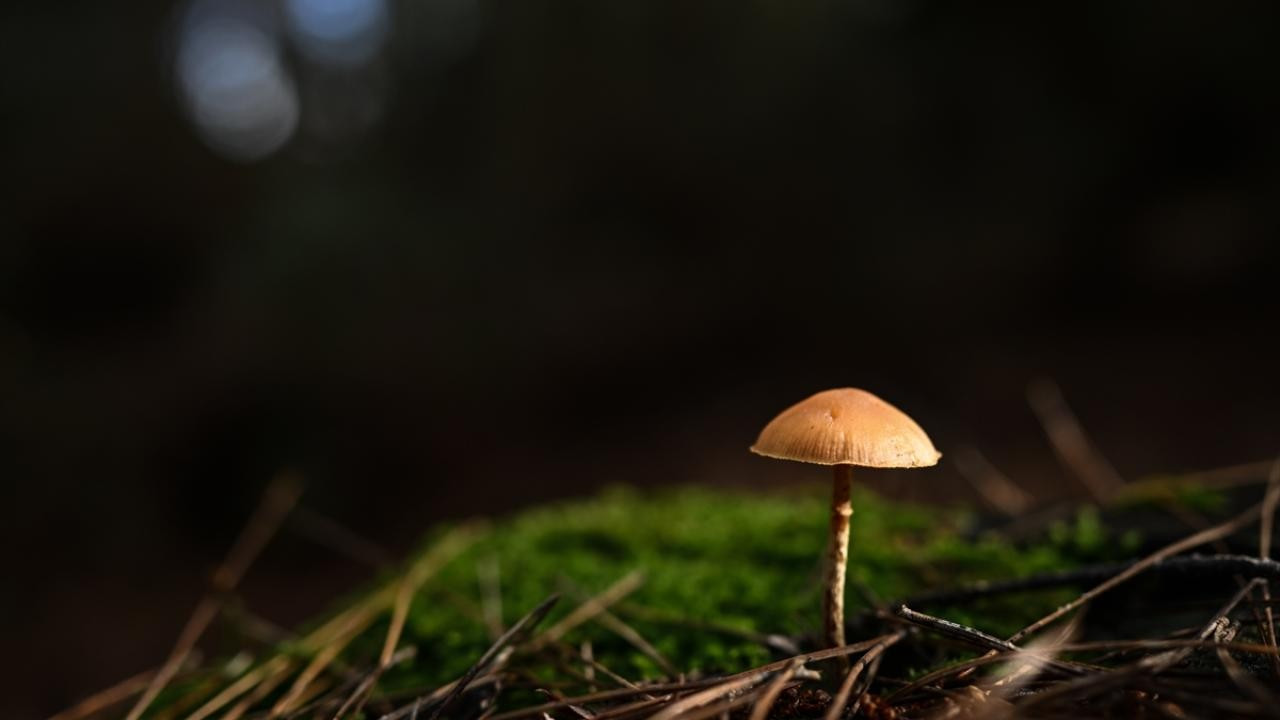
point(720, 569)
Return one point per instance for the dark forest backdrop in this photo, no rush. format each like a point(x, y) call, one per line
point(448, 257)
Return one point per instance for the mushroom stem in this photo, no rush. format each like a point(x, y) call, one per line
point(838, 555)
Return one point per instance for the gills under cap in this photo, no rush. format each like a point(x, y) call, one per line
point(847, 426)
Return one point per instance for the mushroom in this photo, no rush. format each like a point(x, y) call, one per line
point(843, 428)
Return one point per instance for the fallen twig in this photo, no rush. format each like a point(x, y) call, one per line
point(1269, 503)
point(1001, 493)
point(846, 687)
point(510, 637)
point(730, 686)
point(590, 608)
point(1197, 566)
point(106, 698)
point(1070, 442)
point(659, 688)
point(1151, 665)
point(1221, 530)
point(770, 694)
point(280, 497)
point(973, 636)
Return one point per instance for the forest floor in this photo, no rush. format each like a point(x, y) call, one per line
point(696, 603)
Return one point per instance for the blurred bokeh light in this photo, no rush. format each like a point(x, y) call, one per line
point(232, 78)
point(345, 33)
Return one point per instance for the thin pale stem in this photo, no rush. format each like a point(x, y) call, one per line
point(838, 555)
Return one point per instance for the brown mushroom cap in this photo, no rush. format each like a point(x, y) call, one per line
point(847, 426)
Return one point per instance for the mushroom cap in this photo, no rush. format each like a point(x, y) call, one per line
point(847, 426)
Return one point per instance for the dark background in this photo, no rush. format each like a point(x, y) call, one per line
point(521, 250)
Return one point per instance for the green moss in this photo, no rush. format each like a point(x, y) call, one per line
point(718, 567)
point(721, 569)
